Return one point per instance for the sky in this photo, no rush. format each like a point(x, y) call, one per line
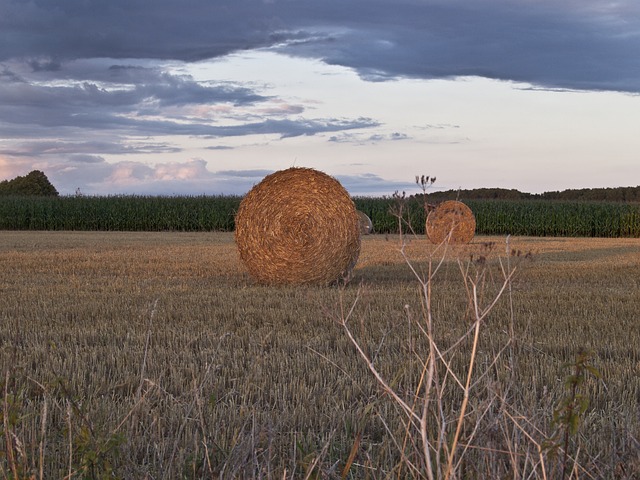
point(206, 97)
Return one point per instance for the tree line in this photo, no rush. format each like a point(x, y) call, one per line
point(35, 183)
point(617, 194)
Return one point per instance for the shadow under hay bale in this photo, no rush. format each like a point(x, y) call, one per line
point(451, 217)
point(298, 226)
point(365, 223)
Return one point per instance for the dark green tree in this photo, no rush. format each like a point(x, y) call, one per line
point(34, 183)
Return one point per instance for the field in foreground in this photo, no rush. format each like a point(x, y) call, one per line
point(153, 355)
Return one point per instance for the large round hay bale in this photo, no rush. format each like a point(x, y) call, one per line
point(298, 226)
point(451, 217)
point(365, 223)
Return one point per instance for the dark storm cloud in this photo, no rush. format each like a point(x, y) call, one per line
point(133, 126)
point(186, 30)
point(36, 148)
point(129, 100)
point(219, 147)
point(47, 65)
point(281, 128)
point(581, 45)
point(586, 44)
point(139, 88)
point(86, 159)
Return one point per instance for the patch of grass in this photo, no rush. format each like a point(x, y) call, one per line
point(154, 354)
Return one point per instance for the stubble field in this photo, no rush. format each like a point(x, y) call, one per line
point(154, 355)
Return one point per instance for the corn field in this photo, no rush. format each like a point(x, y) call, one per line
point(558, 219)
point(119, 213)
point(541, 218)
point(216, 213)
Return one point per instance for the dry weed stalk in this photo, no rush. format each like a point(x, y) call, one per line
point(446, 434)
point(436, 366)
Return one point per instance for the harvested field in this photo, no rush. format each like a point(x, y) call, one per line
point(154, 355)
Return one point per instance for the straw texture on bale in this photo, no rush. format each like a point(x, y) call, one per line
point(366, 225)
point(451, 217)
point(298, 226)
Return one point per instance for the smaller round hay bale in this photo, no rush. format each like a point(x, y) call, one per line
point(298, 226)
point(365, 223)
point(451, 217)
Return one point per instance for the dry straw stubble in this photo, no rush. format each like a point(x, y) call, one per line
point(451, 217)
point(298, 226)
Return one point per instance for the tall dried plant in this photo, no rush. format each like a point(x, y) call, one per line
point(445, 439)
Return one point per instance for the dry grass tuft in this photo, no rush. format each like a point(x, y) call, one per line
point(298, 226)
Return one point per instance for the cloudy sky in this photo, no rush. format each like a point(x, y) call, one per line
point(208, 96)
